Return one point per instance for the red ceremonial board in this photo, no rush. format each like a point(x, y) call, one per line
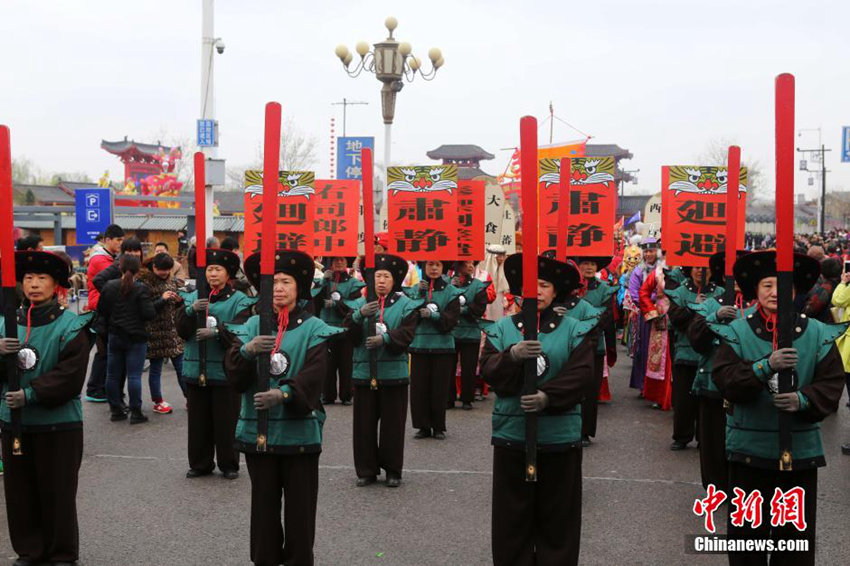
point(336, 210)
point(693, 204)
point(296, 193)
point(470, 220)
point(423, 212)
point(593, 206)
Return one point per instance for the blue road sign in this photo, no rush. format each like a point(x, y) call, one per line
point(845, 144)
point(207, 133)
point(93, 213)
point(348, 157)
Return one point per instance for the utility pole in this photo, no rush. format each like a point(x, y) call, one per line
point(345, 104)
point(822, 156)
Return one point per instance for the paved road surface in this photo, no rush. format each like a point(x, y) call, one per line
point(137, 508)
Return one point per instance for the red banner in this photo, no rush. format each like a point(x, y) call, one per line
point(422, 211)
point(335, 217)
point(470, 220)
point(593, 206)
point(693, 223)
point(296, 193)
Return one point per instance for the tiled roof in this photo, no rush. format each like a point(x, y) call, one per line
point(118, 147)
point(459, 151)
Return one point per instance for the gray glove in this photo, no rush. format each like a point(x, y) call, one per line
point(369, 309)
point(9, 346)
point(328, 274)
point(205, 334)
point(262, 344)
point(329, 304)
point(560, 310)
point(727, 312)
point(373, 342)
point(534, 403)
point(784, 358)
point(526, 350)
point(201, 305)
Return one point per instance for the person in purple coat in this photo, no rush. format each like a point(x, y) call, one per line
point(650, 260)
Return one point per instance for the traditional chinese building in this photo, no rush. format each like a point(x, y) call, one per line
point(139, 159)
point(467, 157)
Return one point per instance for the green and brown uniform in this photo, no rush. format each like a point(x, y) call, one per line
point(745, 379)
point(685, 358)
point(467, 334)
point(291, 464)
point(380, 413)
point(538, 523)
point(339, 288)
point(601, 296)
point(433, 355)
point(213, 404)
point(711, 432)
point(40, 484)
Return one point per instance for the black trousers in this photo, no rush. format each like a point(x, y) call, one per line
point(711, 434)
point(213, 413)
point(590, 404)
point(382, 411)
point(429, 379)
point(467, 355)
point(295, 478)
point(41, 495)
point(536, 523)
point(341, 360)
point(685, 405)
point(96, 384)
point(766, 481)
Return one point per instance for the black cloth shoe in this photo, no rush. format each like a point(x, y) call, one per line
point(393, 481)
point(118, 414)
point(369, 480)
point(138, 417)
point(191, 474)
point(678, 445)
point(230, 474)
point(450, 405)
point(467, 406)
point(422, 433)
point(23, 562)
point(439, 435)
point(346, 403)
point(845, 449)
point(585, 441)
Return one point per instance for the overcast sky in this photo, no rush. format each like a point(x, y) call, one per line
point(661, 78)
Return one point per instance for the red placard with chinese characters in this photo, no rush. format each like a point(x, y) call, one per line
point(693, 222)
point(470, 220)
point(422, 211)
point(336, 209)
point(296, 192)
point(593, 206)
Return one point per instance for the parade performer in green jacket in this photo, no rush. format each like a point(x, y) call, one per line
point(711, 415)
point(699, 285)
point(381, 405)
point(213, 404)
point(473, 302)
point(538, 522)
point(601, 295)
point(433, 356)
point(299, 363)
point(52, 350)
point(337, 286)
point(745, 371)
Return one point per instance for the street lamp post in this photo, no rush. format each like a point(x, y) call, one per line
point(392, 63)
point(209, 45)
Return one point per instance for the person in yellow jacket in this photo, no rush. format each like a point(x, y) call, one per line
point(841, 300)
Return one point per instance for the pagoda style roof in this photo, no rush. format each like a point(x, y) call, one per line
point(46, 194)
point(131, 146)
point(606, 150)
point(459, 151)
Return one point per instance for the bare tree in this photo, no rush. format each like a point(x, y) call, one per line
point(297, 153)
point(716, 152)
